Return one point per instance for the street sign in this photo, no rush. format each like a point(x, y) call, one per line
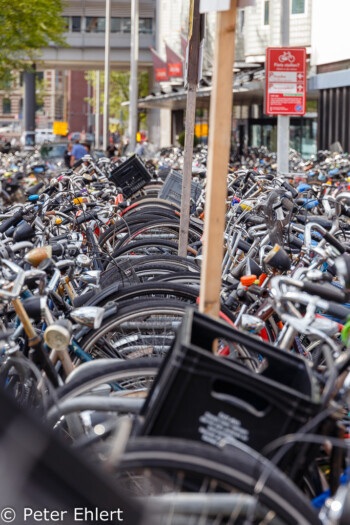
point(60, 128)
point(285, 81)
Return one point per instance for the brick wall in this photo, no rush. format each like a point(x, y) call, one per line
point(77, 106)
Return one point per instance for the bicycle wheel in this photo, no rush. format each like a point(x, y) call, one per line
point(149, 247)
point(138, 329)
point(141, 291)
point(142, 269)
point(157, 466)
point(124, 377)
point(168, 230)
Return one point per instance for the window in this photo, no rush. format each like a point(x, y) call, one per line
point(66, 23)
point(116, 25)
point(298, 7)
point(6, 106)
point(146, 25)
point(95, 24)
point(126, 27)
point(266, 12)
point(76, 24)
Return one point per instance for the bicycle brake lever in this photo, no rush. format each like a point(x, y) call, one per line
point(14, 267)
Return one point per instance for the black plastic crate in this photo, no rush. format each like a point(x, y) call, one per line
point(131, 176)
point(205, 397)
point(172, 188)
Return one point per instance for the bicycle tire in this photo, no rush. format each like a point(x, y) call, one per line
point(166, 246)
point(127, 312)
point(237, 468)
point(113, 371)
point(152, 289)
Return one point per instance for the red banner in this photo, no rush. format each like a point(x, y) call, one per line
point(175, 64)
point(183, 46)
point(160, 67)
point(175, 70)
point(161, 74)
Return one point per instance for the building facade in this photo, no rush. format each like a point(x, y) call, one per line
point(330, 60)
point(50, 99)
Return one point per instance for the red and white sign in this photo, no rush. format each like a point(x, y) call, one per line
point(175, 70)
point(285, 81)
point(161, 74)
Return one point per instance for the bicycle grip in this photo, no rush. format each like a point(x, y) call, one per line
point(295, 241)
point(334, 242)
point(12, 221)
point(325, 291)
point(338, 311)
point(244, 246)
point(77, 163)
point(50, 190)
point(84, 217)
point(250, 176)
point(290, 188)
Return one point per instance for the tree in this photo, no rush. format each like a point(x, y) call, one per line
point(119, 92)
point(26, 28)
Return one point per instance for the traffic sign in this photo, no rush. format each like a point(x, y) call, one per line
point(285, 81)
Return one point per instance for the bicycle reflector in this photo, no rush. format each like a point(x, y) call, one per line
point(248, 280)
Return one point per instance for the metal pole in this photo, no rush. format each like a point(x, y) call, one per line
point(107, 75)
point(97, 110)
point(283, 120)
point(192, 77)
point(29, 106)
point(133, 86)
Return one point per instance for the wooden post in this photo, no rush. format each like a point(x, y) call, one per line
point(192, 80)
point(218, 157)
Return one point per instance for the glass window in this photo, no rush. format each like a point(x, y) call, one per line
point(6, 106)
point(76, 24)
point(39, 75)
point(266, 12)
point(116, 25)
point(66, 23)
point(126, 25)
point(95, 24)
point(298, 7)
point(146, 25)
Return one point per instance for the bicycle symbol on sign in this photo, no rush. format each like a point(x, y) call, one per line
point(287, 57)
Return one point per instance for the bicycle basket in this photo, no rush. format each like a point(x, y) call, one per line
point(202, 396)
point(172, 188)
point(131, 176)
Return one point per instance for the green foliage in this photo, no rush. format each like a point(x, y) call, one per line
point(181, 139)
point(119, 92)
point(41, 90)
point(26, 27)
